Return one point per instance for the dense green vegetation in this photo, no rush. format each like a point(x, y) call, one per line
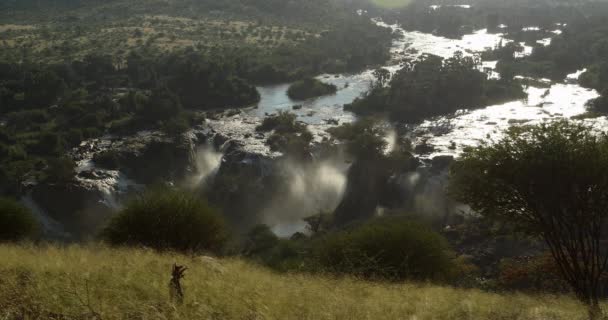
point(288, 136)
point(432, 86)
point(453, 20)
point(548, 181)
point(16, 222)
point(72, 70)
point(75, 70)
point(582, 45)
point(168, 219)
point(387, 249)
point(394, 249)
point(273, 41)
point(309, 88)
point(48, 109)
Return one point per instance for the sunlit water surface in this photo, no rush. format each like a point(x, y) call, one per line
point(449, 134)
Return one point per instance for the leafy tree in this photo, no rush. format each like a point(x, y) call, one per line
point(289, 136)
point(167, 219)
point(162, 105)
point(260, 240)
point(309, 88)
point(431, 86)
point(364, 138)
point(60, 170)
point(549, 181)
point(16, 221)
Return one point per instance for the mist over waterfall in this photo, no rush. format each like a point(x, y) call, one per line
point(312, 188)
point(207, 161)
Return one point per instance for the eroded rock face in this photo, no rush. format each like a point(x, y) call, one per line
point(81, 210)
point(150, 156)
point(243, 184)
point(366, 182)
point(109, 170)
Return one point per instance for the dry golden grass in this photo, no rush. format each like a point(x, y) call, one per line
point(127, 283)
point(16, 27)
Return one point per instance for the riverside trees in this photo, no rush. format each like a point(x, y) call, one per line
point(431, 86)
point(549, 181)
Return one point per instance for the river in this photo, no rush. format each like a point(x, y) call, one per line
point(447, 135)
point(321, 187)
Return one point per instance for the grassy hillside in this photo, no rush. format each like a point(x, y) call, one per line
point(76, 282)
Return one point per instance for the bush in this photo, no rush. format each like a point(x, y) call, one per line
point(392, 249)
point(60, 170)
point(282, 255)
point(16, 221)
point(282, 122)
point(167, 219)
point(310, 88)
point(109, 159)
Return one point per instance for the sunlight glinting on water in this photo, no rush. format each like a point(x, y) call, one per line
point(447, 134)
point(488, 124)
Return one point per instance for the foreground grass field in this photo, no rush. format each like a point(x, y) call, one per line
point(96, 282)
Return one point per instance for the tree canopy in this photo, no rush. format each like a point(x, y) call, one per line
point(550, 181)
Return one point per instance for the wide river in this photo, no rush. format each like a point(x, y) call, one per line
point(449, 134)
point(321, 187)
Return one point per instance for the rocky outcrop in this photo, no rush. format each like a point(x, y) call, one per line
point(364, 189)
point(81, 210)
point(108, 170)
point(243, 185)
point(150, 156)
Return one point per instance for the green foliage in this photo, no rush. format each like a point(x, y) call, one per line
point(264, 247)
point(546, 166)
point(309, 88)
point(60, 170)
point(432, 86)
point(168, 219)
point(391, 249)
point(289, 136)
point(162, 105)
point(282, 122)
point(548, 181)
point(364, 138)
point(259, 240)
point(16, 221)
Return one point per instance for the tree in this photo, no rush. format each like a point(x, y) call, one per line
point(167, 219)
point(549, 181)
point(382, 76)
point(364, 138)
point(16, 221)
point(60, 170)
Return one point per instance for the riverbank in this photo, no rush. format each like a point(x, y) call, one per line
point(101, 283)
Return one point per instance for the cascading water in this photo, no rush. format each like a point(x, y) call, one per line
point(313, 188)
point(207, 162)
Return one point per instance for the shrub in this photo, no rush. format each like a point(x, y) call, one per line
point(282, 255)
point(109, 159)
point(16, 221)
point(310, 88)
point(60, 170)
point(167, 219)
point(282, 122)
point(259, 240)
point(392, 249)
